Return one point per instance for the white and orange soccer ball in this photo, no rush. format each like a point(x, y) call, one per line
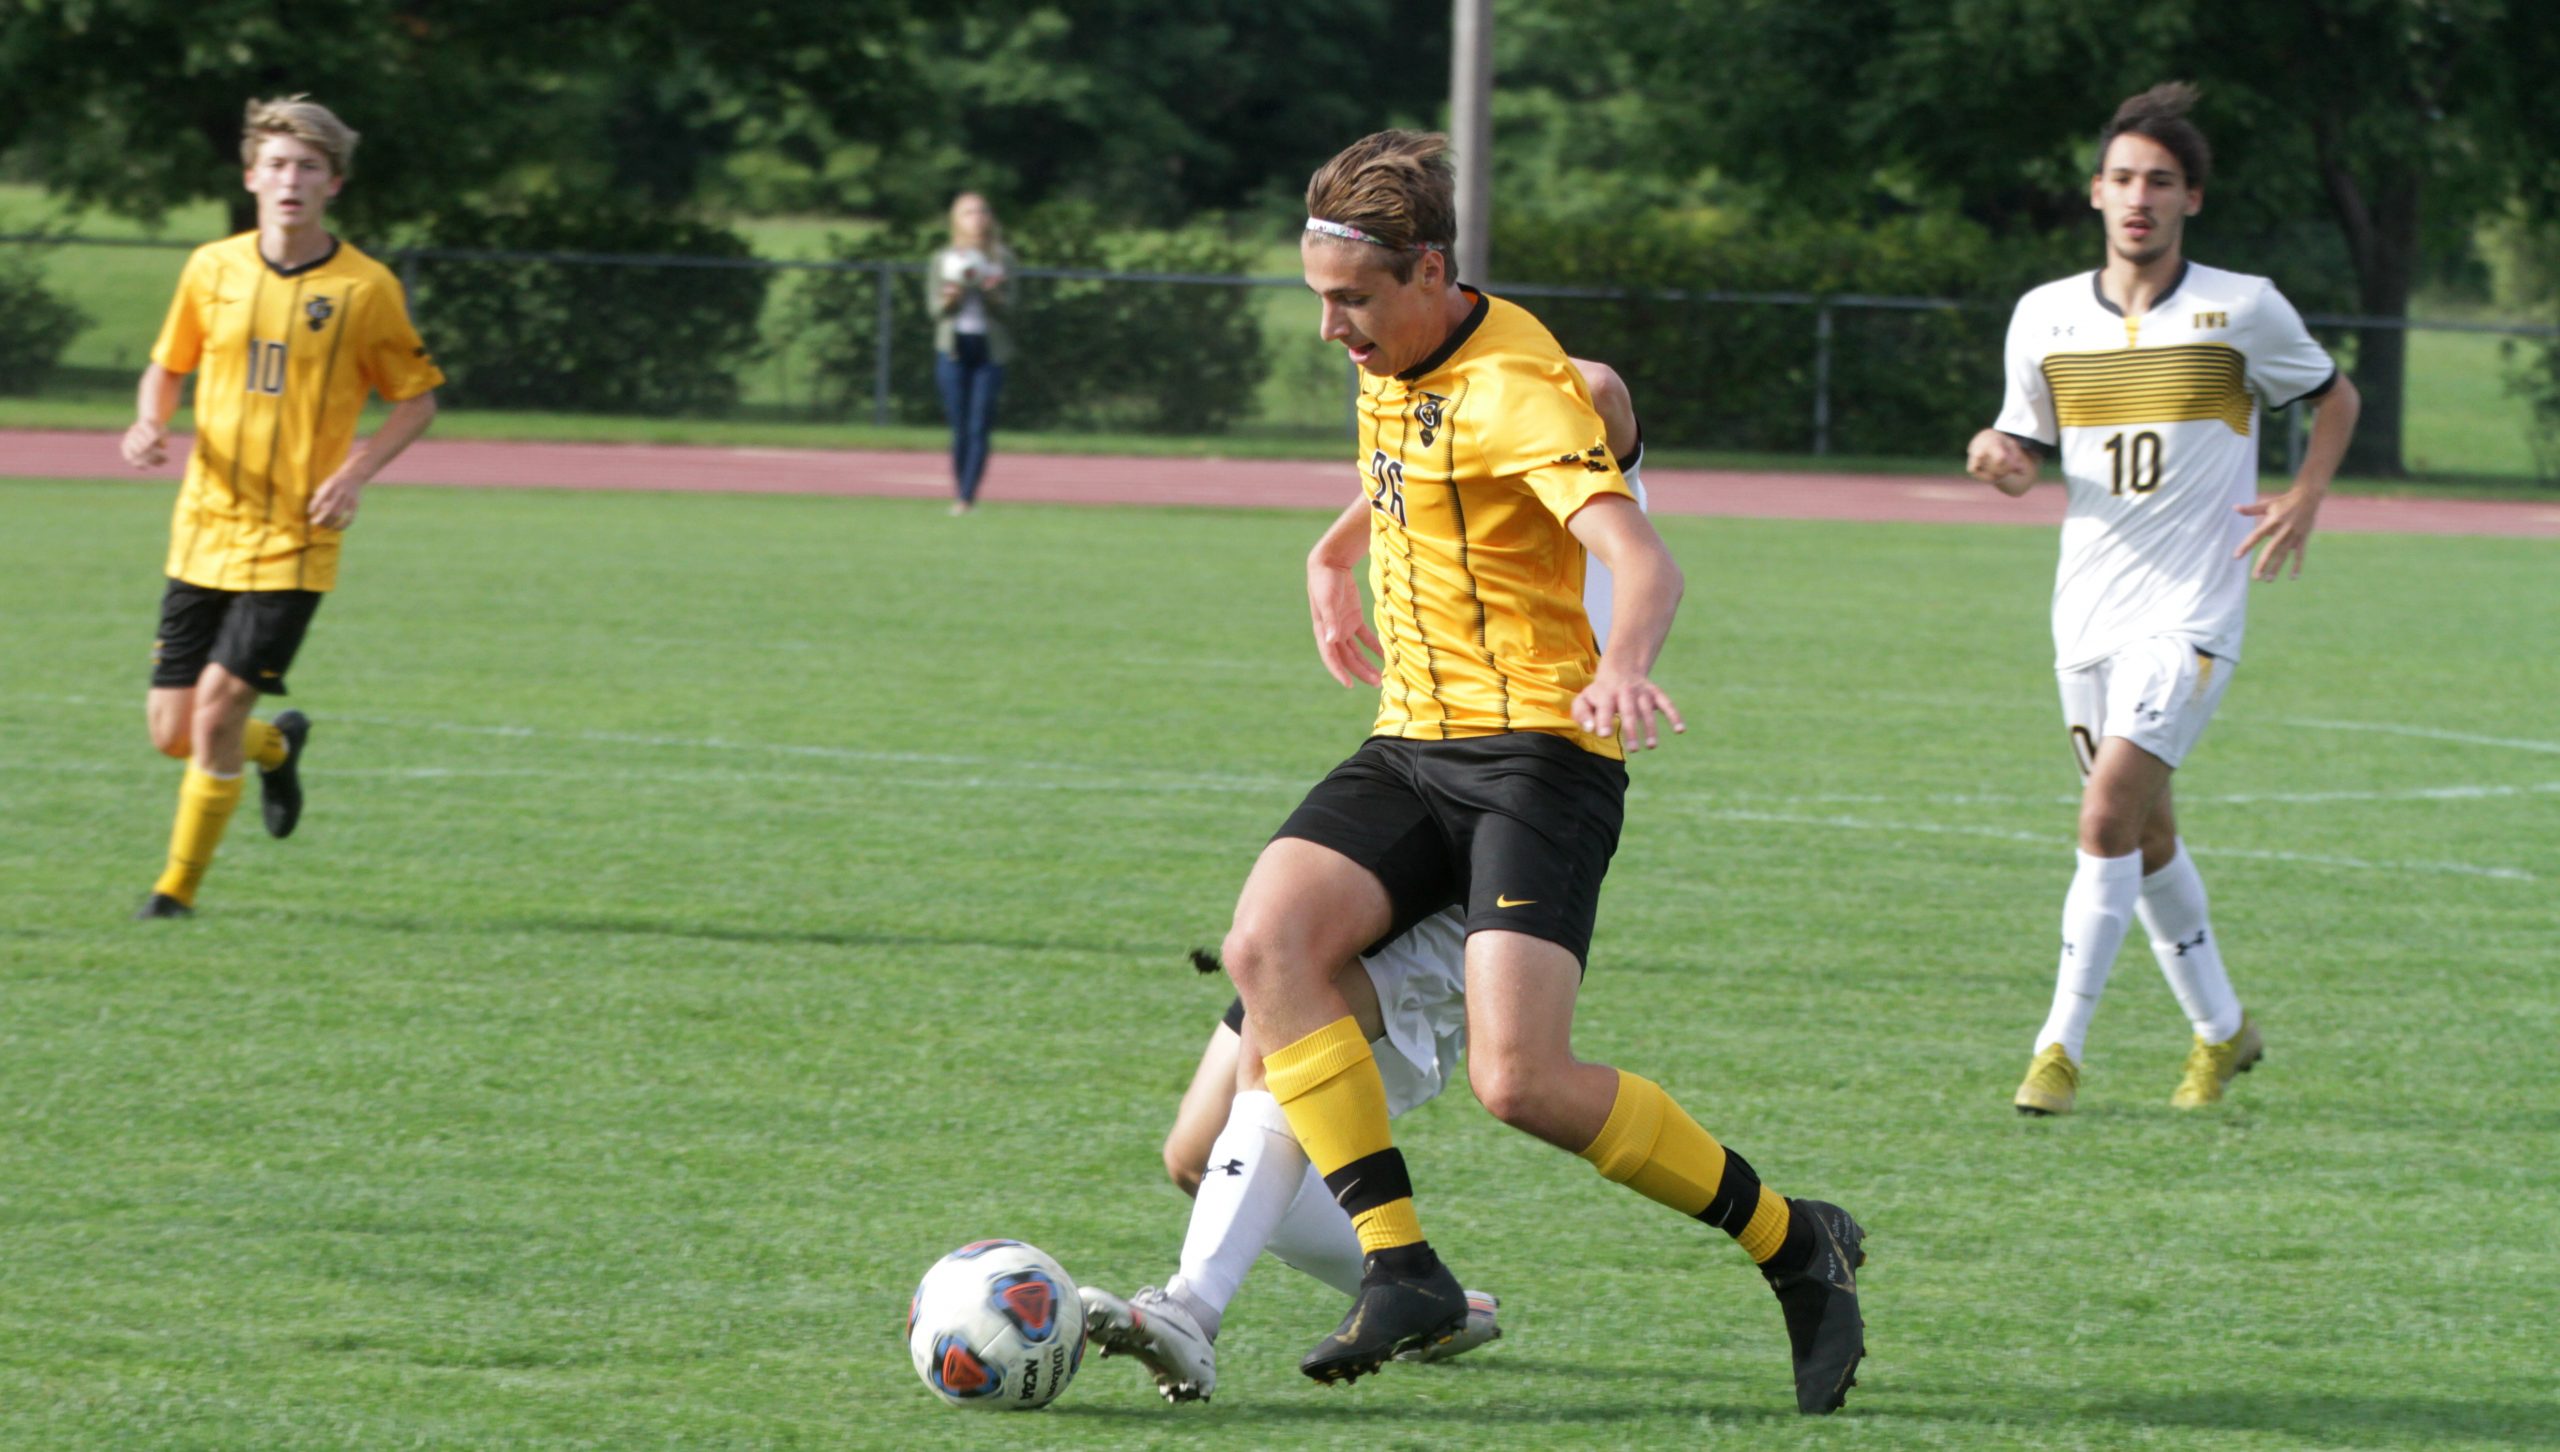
point(996, 1324)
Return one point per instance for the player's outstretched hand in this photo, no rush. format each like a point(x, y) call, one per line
point(146, 444)
point(1613, 699)
point(2001, 462)
point(333, 504)
point(2284, 527)
point(1333, 600)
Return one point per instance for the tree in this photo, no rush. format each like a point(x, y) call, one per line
point(2400, 121)
point(135, 105)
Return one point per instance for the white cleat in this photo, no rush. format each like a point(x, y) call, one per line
point(1154, 1328)
point(1479, 1330)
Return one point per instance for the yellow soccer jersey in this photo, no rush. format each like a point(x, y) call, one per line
point(1474, 459)
point(288, 356)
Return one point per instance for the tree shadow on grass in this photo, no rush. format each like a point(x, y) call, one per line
point(2349, 1421)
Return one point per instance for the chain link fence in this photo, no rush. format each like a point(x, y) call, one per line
point(1180, 354)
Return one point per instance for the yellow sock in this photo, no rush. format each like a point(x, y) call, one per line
point(1767, 1229)
point(266, 745)
point(1328, 1085)
point(205, 804)
point(1652, 1146)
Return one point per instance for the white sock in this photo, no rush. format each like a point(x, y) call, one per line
point(1316, 1237)
point(1255, 1170)
point(2173, 913)
point(2095, 913)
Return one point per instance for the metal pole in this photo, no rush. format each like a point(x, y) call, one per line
point(1471, 131)
point(880, 352)
point(1822, 380)
point(2295, 443)
point(1354, 410)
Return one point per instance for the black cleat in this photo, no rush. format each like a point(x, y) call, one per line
point(1824, 1331)
point(161, 905)
point(280, 788)
point(1391, 1314)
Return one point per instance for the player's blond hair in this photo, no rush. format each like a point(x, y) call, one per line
point(2161, 114)
point(304, 120)
point(1398, 189)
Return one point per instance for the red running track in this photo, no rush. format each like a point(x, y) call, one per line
point(1265, 483)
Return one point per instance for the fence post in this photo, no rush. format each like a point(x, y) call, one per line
point(1822, 379)
point(1354, 409)
point(880, 352)
point(2294, 442)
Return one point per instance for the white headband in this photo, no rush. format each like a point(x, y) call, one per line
point(1349, 233)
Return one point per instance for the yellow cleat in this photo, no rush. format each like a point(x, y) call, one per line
point(2053, 1081)
point(2210, 1066)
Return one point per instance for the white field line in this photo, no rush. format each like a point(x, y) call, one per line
point(2429, 733)
point(2053, 840)
point(1019, 775)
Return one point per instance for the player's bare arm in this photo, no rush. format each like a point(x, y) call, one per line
point(2285, 522)
point(146, 443)
point(2001, 462)
point(1617, 407)
point(1333, 599)
point(333, 504)
point(1649, 584)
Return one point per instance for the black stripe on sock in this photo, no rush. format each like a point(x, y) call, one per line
point(1370, 1181)
point(1737, 1196)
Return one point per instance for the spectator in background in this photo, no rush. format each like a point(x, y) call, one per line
point(970, 344)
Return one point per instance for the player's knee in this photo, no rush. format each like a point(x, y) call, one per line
point(1255, 956)
point(1507, 1090)
point(2107, 830)
point(173, 739)
point(1181, 1169)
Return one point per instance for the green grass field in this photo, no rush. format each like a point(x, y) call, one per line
point(710, 910)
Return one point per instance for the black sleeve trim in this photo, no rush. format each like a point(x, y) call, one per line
point(2321, 392)
point(2035, 446)
point(1234, 1016)
point(1635, 456)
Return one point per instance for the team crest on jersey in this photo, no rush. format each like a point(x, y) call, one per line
point(2213, 320)
point(1429, 416)
point(319, 310)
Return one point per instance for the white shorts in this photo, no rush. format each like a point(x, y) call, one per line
point(2157, 693)
point(1421, 980)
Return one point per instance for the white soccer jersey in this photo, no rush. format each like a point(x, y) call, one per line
point(2156, 419)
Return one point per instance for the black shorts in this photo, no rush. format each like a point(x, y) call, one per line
point(1517, 827)
point(251, 633)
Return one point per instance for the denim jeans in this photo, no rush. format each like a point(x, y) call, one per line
point(970, 381)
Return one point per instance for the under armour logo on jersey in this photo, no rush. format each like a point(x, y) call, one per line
point(2065, 330)
point(2195, 942)
point(1231, 1167)
point(1429, 416)
point(2070, 949)
point(2213, 320)
point(319, 311)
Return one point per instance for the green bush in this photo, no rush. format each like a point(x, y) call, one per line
point(1090, 354)
point(36, 323)
point(586, 336)
point(1742, 375)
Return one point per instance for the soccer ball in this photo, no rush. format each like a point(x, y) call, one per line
point(996, 1324)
